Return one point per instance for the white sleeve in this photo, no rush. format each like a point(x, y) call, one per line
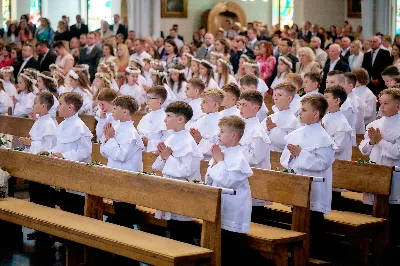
point(158, 164)
point(3, 108)
point(83, 151)
point(341, 139)
point(364, 146)
point(320, 161)
point(205, 145)
point(118, 152)
point(23, 109)
point(101, 122)
point(181, 167)
point(256, 151)
point(390, 150)
point(277, 137)
point(285, 158)
point(225, 178)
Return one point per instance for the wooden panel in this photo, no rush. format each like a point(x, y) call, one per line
point(149, 191)
point(96, 155)
point(359, 138)
point(15, 126)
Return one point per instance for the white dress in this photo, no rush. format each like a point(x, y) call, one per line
point(262, 87)
point(212, 84)
point(135, 91)
point(188, 73)
point(152, 126)
point(229, 111)
point(361, 107)
point(181, 95)
point(43, 134)
point(231, 79)
point(10, 89)
point(285, 122)
point(197, 112)
point(233, 173)
point(87, 106)
point(184, 163)
point(5, 102)
point(386, 152)
point(277, 80)
point(370, 100)
point(315, 159)
point(24, 105)
point(124, 150)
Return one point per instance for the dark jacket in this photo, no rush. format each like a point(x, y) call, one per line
point(92, 59)
point(340, 65)
point(47, 61)
point(77, 33)
point(121, 29)
point(382, 60)
point(32, 63)
point(235, 58)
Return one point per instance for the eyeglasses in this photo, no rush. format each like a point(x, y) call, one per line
point(151, 98)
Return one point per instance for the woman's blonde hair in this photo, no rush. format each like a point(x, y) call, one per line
point(125, 59)
point(307, 52)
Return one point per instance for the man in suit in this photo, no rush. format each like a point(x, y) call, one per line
point(28, 60)
point(46, 56)
point(160, 46)
point(91, 55)
point(334, 63)
point(238, 45)
point(205, 51)
point(79, 27)
point(345, 51)
point(320, 55)
point(315, 33)
point(375, 61)
point(252, 36)
point(284, 47)
point(306, 31)
point(118, 28)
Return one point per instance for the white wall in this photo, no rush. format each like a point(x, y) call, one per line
point(70, 8)
point(353, 21)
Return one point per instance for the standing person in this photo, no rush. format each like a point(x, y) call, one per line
point(79, 28)
point(12, 34)
point(205, 51)
point(23, 31)
point(46, 56)
point(62, 33)
point(105, 32)
point(334, 63)
point(44, 32)
point(375, 61)
point(171, 57)
point(28, 60)
point(64, 59)
point(266, 60)
point(118, 28)
point(91, 54)
point(356, 58)
point(345, 51)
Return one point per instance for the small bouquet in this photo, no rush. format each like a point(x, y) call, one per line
point(4, 176)
point(4, 141)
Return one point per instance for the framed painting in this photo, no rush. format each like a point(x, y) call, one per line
point(354, 8)
point(174, 8)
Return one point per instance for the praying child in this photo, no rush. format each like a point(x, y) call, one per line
point(205, 130)
point(281, 123)
point(104, 113)
point(365, 94)
point(194, 89)
point(152, 127)
point(361, 106)
point(22, 103)
point(336, 124)
point(249, 82)
point(231, 97)
point(229, 169)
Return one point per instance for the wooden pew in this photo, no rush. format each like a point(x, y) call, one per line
point(101, 182)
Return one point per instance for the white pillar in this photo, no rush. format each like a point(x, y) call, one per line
point(367, 11)
point(146, 17)
point(45, 8)
point(382, 16)
point(115, 9)
point(130, 14)
point(83, 11)
point(156, 18)
point(18, 8)
point(142, 18)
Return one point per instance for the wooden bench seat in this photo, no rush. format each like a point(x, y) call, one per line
point(353, 196)
point(116, 239)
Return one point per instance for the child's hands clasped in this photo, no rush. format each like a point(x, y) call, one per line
point(217, 154)
point(374, 135)
point(109, 131)
point(163, 150)
point(196, 135)
point(294, 149)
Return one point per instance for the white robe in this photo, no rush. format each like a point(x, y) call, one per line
point(315, 159)
point(170, 96)
point(231, 79)
point(207, 125)
point(361, 107)
point(310, 93)
point(212, 84)
point(124, 150)
point(233, 173)
point(197, 112)
point(370, 100)
point(62, 89)
point(386, 152)
point(262, 113)
point(101, 122)
point(262, 87)
point(181, 95)
point(184, 163)
point(10, 89)
point(5, 102)
point(342, 134)
point(349, 111)
point(42, 134)
point(87, 106)
point(229, 111)
point(285, 122)
point(295, 106)
point(135, 91)
point(152, 126)
point(25, 105)
point(114, 85)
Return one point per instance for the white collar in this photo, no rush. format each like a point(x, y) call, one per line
point(182, 143)
point(152, 123)
point(337, 123)
point(252, 130)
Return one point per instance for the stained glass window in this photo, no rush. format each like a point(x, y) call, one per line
point(6, 9)
point(398, 17)
point(286, 12)
point(98, 10)
point(35, 13)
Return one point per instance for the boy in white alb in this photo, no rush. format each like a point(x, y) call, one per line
point(229, 169)
point(205, 130)
point(254, 142)
point(297, 81)
point(194, 89)
point(283, 121)
point(311, 83)
point(361, 106)
point(231, 97)
point(178, 158)
point(365, 94)
point(152, 127)
point(74, 142)
point(249, 83)
point(104, 115)
point(336, 124)
point(122, 148)
point(310, 151)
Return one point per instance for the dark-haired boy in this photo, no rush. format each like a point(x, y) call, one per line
point(104, 115)
point(231, 97)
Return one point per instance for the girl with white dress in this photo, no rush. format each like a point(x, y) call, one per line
point(206, 71)
point(100, 82)
point(177, 82)
point(5, 100)
point(46, 82)
point(132, 87)
point(186, 60)
point(195, 68)
point(23, 102)
point(224, 70)
point(284, 67)
point(79, 84)
point(252, 67)
point(214, 56)
point(8, 77)
point(109, 68)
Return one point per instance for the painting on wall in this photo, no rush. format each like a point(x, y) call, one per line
point(174, 8)
point(354, 8)
point(98, 10)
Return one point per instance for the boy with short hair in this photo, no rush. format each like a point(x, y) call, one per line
point(349, 85)
point(297, 82)
point(388, 74)
point(105, 98)
point(205, 130)
point(122, 148)
point(178, 158)
point(194, 89)
point(152, 127)
point(282, 122)
point(249, 83)
point(336, 124)
point(231, 97)
point(229, 169)
point(311, 83)
point(362, 91)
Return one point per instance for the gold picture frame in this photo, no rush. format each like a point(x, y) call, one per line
point(354, 8)
point(174, 8)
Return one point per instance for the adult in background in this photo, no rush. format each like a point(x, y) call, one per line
point(222, 46)
point(64, 59)
point(171, 57)
point(12, 34)
point(238, 45)
point(27, 60)
point(305, 31)
point(122, 61)
point(118, 28)
point(173, 35)
point(16, 55)
point(79, 28)
point(6, 59)
point(46, 56)
point(73, 44)
point(62, 33)
point(315, 33)
point(266, 60)
point(320, 55)
point(105, 31)
point(82, 40)
point(108, 54)
point(345, 51)
point(91, 55)
point(23, 32)
point(196, 40)
point(356, 56)
point(285, 46)
point(375, 61)
point(253, 41)
point(140, 53)
point(334, 63)
point(204, 52)
point(44, 32)
point(131, 46)
point(160, 46)
point(396, 55)
point(307, 62)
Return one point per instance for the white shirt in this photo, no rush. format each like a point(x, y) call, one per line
point(115, 28)
point(211, 83)
point(370, 100)
point(135, 91)
point(374, 54)
point(315, 159)
point(140, 57)
point(87, 107)
point(10, 89)
point(262, 87)
point(262, 113)
point(5, 102)
point(24, 63)
point(124, 150)
point(207, 125)
point(178, 43)
point(43, 134)
point(333, 64)
point(355, 61)
point(231, 79)
point(344, 52)
point(233, 173)
point(24, 105)
point(277, 80)
point(229, 111)
point(181, 95)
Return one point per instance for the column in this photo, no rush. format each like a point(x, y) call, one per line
point(142, 18)
point(115, 9)
point(146, 17)
point(84, 11)
point(156, 18)
point(136, 8)
point(18, 8)
point(382, 16)
point(131, 12)
point(45, 8)
point(367, 11)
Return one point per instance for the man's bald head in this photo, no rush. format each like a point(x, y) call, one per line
point(375, 42)
point(209, 39)
point(346, 42)
point(334, 51)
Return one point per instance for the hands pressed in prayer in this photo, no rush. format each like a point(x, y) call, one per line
point(163, 150)
point(374, 135)
point(109, 131)
point(145, 141)
point(25, 141)
point(196, 135)
point(217, 154)
point(270, 125)
point(14, 100)
point(294, 150)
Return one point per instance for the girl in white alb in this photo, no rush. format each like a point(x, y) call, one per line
point(45, 82)
point(224, 68)
point(284, 67)
point(9, 87)
point(177, 81)
point(132, 87)
point(186, 60)
point(23, 102)
point(159, 77)
point(5, 100)
point(206, 74)
point(79, 84)
point(252, 67)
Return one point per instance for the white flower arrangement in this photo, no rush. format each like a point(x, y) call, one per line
point(208, 63)
point(53, 79)
point(158, 73)
point(174, 70)
point(226, 63)
point(28, 78)
point(73, 74)
point(133, 71)
point(251, 65)
point(8, 69)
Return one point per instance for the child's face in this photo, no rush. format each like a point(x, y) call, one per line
point(191, 92)
point(119, 113)
point(73, 83)
point(389, 106)
point(282, 99)
point(208, 105)
point(229, 100)
point(97, 83)
point(37, 107)
point(64, 109)
point(21, 84)
point(332, 81)
point(219, 67)
point(282, 68)
point(248, 70)
point(213, 59)
point(225, 136)
point(388, 80)
point(174, 76)
point(194, 66)
point(40, 83)
point(6, 76)
point(248, 109)
point(308, 115)
point(173, 121)
point(185, 60)
point(245, 88)
point(203, 70)
point(153, 101)
point(132, 79)
point(105, 107)
point(333, 104)
point(146, 67)
point(309, 85)
point(348, 87)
